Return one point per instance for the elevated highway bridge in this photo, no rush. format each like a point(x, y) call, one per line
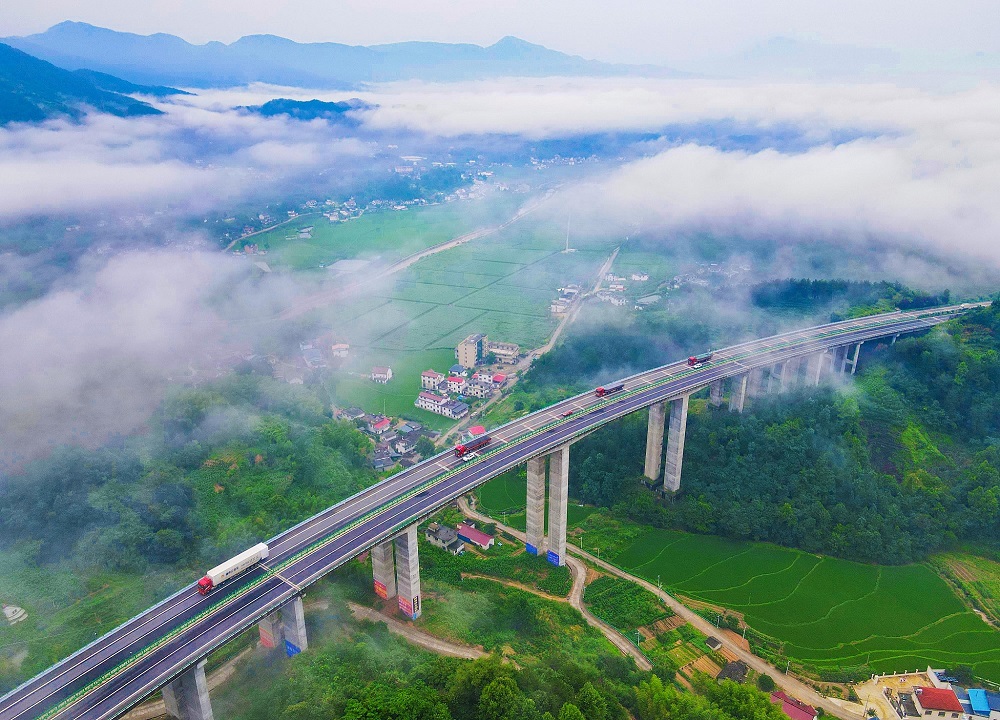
point(165, 646)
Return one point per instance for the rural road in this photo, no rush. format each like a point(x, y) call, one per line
point(789, 684)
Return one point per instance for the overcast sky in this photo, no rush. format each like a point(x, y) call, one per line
point(652, 31)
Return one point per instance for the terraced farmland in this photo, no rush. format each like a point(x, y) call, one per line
point(829, 613)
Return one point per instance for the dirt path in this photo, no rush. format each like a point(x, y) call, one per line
point(417, 637)
point(579, 573)
point(788, 683)
point(517, 585)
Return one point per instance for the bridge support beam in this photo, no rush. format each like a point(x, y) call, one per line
point(285, 627)
point(675, 444)
point(814, 368)
point(384, 570)
point(840, 359)
point(790, 374)
point(853, 359)
point(775, 377)
point(755, 384)
point(715, 393)
point(654, 442)
point(186, 696)
point(293, 627)
point(738, 392)
point(408, 573)
point(558, 503)
point(534, 521)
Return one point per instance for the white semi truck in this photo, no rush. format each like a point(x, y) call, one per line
point(232, 567)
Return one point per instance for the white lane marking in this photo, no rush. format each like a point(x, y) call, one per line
point(280, 576)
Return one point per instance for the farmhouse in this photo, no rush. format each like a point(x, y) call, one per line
point(381, 374)
point(795, 709)
point(478, 389)
point(455, 384)
point(340, 350)
point(441, 405)
point(476, 537)
point(504, 352)
point(431, 380)
point(937, 702)
point(444, 537)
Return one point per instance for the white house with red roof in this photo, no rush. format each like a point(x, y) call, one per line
point(476, 537)
point(379, 425)
point(455, 384)
point(431, 380)
point(381, 374)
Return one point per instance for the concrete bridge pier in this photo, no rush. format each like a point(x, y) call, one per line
point(558, 504)
point(852, 359)
point(558, 472)
point(814, 368)
point(654, 442)
point(285, 627)
point(715, 393)
point(839, 359)
point(775, 377)
point(186, 696)
point(738, 394)
point(790, 374)
point(675, 444)
point(384, 570)
point(408, 573)
point(534, 521)
point(755, 384)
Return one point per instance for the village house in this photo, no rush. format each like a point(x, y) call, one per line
point(379, 425)
point(444, 537)
point(478, 389)
point(431, 380)
point(455, 384)
point(381, 374)
point(937, 702)
point(340, 350)
point(476, 537)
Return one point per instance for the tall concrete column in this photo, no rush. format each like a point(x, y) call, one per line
point(293, 627)
point(853, 362)
point(558, 502)
point(534, 521)
point(738, 392)
point(776, 376)
point(675, 444)
point(408, 573)
point(384, 570)
point(814, 368)
point(186, 696)
point(715, 393)
point(790, 374)
point(840, 359)
point(654, 439)
point(755, 384)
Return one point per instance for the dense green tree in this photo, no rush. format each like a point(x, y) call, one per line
point(591, 703)
point(569, 711)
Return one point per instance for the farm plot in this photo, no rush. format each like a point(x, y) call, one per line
point(829, 613)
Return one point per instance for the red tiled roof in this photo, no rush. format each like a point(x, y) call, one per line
point(431, 373)
point(433, 398)
point(473, 535)
point(932, 698)
point(383, 423)
point(499, 378)
point(477, 430)
point(795, 709)
point(456, 379)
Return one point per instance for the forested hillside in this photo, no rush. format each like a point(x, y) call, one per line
point(899, 463)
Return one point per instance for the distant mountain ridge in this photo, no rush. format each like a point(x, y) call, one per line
point(311, 109)
point(32, 90)
point(163, 59)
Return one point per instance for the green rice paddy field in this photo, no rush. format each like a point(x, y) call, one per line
point(829, 613)
point(500, 285)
